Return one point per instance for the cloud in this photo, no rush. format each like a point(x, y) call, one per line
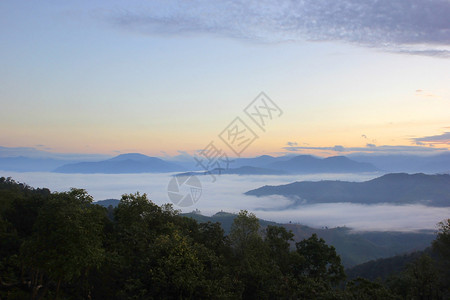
point(338, 148)
point(372, 148)
point(164, 153)
point(434, 139)
point(380, 217)
point(418, 27)
point(364, 136)
point(422, 93)
point(227, 194)
point(292, 144)
point(43, 147)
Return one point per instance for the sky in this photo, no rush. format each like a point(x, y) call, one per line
point(163, 77)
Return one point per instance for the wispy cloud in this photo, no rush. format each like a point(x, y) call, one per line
point(419, 27)
point(372, 148)
point(422, 93)
point(434, 139)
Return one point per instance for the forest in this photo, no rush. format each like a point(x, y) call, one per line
point(61, 245)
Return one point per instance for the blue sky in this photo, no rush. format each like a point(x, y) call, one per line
point(166, 76)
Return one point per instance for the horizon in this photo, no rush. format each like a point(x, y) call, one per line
point(31, 152)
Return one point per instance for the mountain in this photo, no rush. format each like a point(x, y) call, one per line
point(27, 159)
point(359, 247)
point(258, 161)
point(28, 164)
point(383, 268)
point(245, 170)
point(189, 163)
point(124, 163)
point(107, 202)
point(303, 164)
point(439, 163)
point(398, 188)
point(224, 218)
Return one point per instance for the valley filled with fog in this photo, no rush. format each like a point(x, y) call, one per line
point(226, 194)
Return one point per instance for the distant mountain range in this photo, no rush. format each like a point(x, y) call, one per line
point(124, 163)
point(34, 160)
point(29, 164)
point(301, 164)
point(107, 202)
point(311, 164)
point(245, 170)
point(439, 163)
point(399, 188)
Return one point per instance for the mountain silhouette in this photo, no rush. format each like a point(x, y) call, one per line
point(397, 188)
point(124, 163)
point(311, 164)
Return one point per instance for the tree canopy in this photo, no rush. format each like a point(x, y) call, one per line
point(61, 245)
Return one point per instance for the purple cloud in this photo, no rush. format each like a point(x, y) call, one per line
point(434, 139)
point(419, 27)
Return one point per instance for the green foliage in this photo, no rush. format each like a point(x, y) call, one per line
point(384, 267)
point(354, 248)
point(62, 246)
point(244, 235)
point(363, 289)
point(420, 280)
point(442, 247)
point(320, 261)
point(423, 279)
point(66, 241)
point(278, 240)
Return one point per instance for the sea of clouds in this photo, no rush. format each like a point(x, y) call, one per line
point(226, 194)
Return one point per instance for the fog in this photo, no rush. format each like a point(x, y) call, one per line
point(226, 194)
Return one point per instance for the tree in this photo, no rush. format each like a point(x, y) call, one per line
point(317, 269)
point(320, 260)
point(441, 245)
point(423, 279)
point(137, 224)
point(363, 289)
point(66, 242)
point(244, 233)
point(253, 268)
point(212, 236)
point(442, 242)
point(278, 241)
